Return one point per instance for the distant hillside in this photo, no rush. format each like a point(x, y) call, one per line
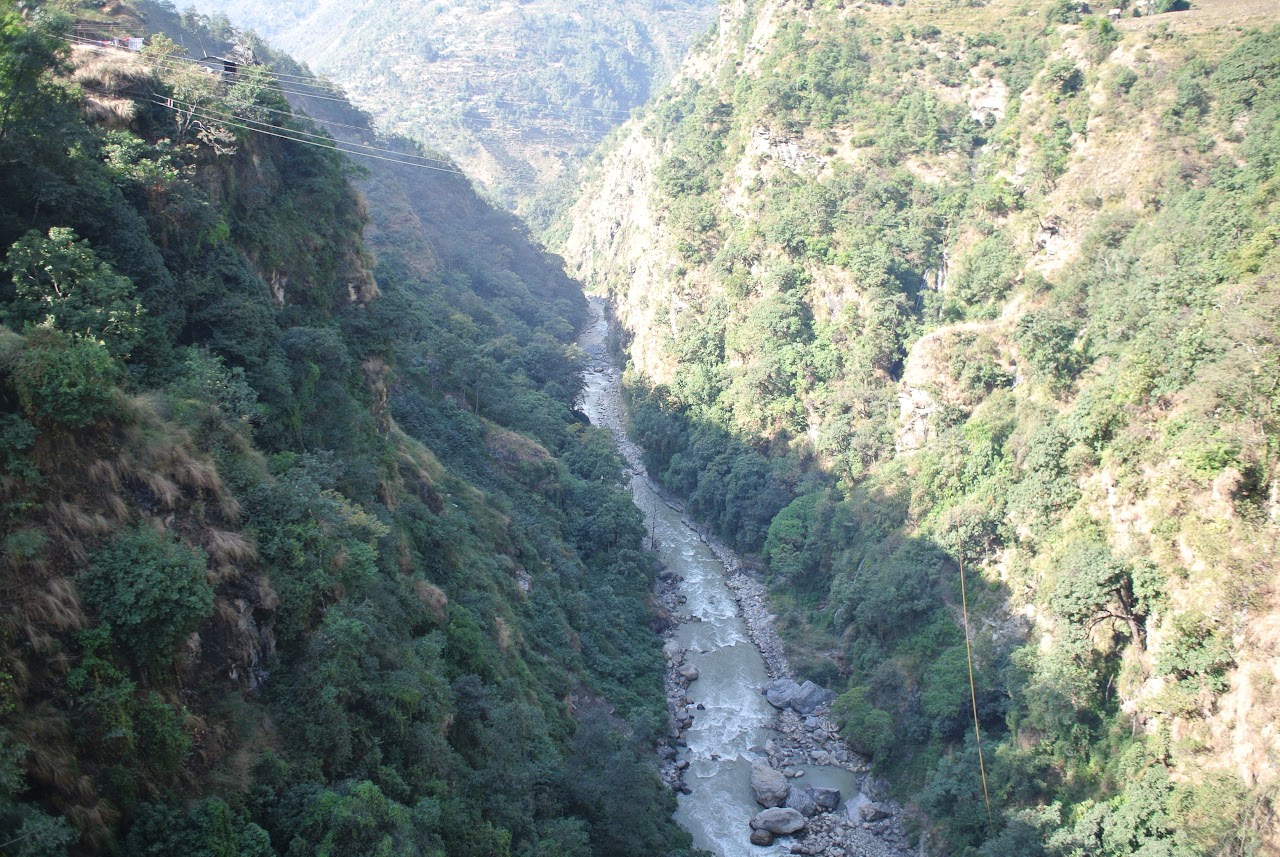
point(513, 91)
point(927, 286)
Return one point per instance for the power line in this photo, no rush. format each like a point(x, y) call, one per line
point(302, 80)
point(973, 693)
point(289, 134)
point(309, 80)
point(232, 116)
point(180, 63)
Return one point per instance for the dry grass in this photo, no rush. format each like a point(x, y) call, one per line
point(56, 606)
point(227, 547)
point(433, 596)
point(114, 113)
point(107, 79)
point(112, 72)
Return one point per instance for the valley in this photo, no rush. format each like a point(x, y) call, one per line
point(513, 429)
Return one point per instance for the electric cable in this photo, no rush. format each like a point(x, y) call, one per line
point(973, 693)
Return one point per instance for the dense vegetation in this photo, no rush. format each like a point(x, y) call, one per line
point(902, 326)
point(303, 553)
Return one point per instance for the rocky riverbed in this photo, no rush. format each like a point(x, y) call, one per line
point(803, 742)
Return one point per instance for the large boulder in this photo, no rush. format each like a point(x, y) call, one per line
point(802, 801)
point(780, 691)
point(761, 837)
point(804, 699)
point(809, 697)
point(779, 820)
point(872, 811)
point(768, 786)
point(826, 799)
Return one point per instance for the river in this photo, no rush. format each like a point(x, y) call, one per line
point(732, 719)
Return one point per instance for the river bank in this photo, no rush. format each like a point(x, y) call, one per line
point(725, 735)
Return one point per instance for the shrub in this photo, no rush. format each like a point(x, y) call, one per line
point(64, 381)
point(152, 590)
point(867, 729)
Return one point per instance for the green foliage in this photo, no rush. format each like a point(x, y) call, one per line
point(1094, 586)
point(28, 831)
point(1198, 652)
point(209, 829)
point(1062, 12)
point(152, 591)
point(60, 282)
point(357, 818)
point(27, 52)
point(987, 275)
point(416, 549)
point(1063, 77)
point(63, 381)
point(864, 727)
point(1243, 75)
point(1047, 339)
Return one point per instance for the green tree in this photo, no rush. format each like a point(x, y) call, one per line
point(1094, 587)
point(59, 280)
point(26, 52)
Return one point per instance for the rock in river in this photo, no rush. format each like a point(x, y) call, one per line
point(768, 786)
point(826, 799)
point(804, 698)
point(761, 837)
point(778, 820)
point(803, 801)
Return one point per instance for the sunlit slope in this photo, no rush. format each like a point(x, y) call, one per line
point(905, 286)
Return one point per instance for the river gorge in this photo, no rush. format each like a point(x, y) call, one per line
point(722, 652)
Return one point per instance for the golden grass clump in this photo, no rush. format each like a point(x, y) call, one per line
point(110, 72)
point(227, 547)
point(57, 606)
point(107, 78)
point(431, 595)
point(114, 113)
point(103, 473)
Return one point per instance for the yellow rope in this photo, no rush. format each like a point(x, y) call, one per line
point(973, 693)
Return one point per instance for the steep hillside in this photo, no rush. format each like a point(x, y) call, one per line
point(916, 291)
point(305, 550)
point(515, 92)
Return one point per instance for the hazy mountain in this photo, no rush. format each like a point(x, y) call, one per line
point(514, 91)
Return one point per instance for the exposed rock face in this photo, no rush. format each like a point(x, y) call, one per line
point(778, 820)
point(768, 786)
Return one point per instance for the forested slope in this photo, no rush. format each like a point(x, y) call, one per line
point(994, 284)
point(304, 549)
point(518, 93)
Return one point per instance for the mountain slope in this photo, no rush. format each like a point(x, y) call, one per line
point(304, 547)
point(906, 287)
